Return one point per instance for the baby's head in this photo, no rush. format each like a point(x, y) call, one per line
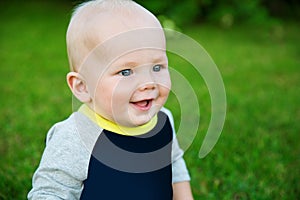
point(118, 61)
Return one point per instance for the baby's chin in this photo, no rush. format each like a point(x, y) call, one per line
point(141, 118)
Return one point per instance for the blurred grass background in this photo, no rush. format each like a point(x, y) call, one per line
point(258, 153)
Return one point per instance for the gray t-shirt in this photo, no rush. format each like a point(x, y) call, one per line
point(65, 161)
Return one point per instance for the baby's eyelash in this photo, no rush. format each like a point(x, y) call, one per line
point(128, 72)
point(157, 68)
point(125, 72)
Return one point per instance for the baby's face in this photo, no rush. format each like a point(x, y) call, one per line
point(133, 88)
point(132, 83)
point(126, 71)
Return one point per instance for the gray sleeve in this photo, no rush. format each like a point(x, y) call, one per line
point(63, 166)
point(179, 170)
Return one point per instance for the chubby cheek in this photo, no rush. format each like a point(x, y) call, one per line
point(118, 95)
point(103, 98)
point(164, 84)
point(102, 102)
point(122, 90)
point(163, 95)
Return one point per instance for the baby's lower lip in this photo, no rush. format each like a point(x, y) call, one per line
point(143, 105)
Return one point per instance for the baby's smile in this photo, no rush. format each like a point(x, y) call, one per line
point(143, 105)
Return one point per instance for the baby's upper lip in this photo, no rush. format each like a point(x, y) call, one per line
point(142, 99)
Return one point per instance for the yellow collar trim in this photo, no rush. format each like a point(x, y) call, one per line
point(113, 127)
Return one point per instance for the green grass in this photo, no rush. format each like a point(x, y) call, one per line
point(258, 153)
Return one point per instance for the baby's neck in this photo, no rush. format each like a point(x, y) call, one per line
point(114, 127)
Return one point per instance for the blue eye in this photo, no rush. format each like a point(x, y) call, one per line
point(125, 72)
point(156, 68)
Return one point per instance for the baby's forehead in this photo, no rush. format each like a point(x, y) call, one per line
point(138, 44)
point(108, 23)
point(114, 30)
point(110, 42)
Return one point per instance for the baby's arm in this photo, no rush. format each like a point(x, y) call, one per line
point(181, 178)
point(182, 191)
point(180, 174)
point(61, 172)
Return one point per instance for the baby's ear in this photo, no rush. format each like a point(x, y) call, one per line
point(78, 87)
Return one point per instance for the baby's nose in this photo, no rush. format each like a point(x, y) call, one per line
point(148, 86)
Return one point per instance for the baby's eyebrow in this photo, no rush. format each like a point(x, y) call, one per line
point(159, 59)
point(130, 64)
point(156, 59)
point(124, 65)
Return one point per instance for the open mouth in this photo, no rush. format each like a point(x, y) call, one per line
point(143, 105)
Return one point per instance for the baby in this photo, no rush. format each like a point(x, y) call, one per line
point(121, 143)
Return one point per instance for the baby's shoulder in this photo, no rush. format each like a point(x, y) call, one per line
point(169, 114)
point(63, 130)
point(74, 133)
point(166, 111)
